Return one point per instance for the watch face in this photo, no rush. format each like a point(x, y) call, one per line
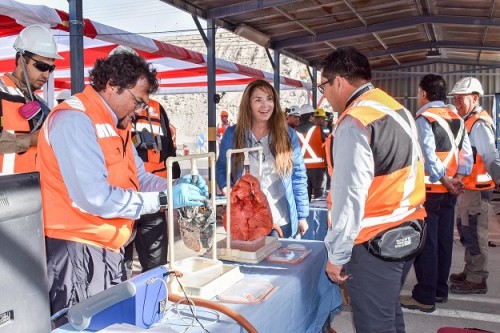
point(162, 197)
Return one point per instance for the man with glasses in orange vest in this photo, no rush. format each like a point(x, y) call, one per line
point(311, 138)
point(21, 111)
point(152, 138)
point(94, 185)
point(473, 205)
point(377, 188)
point(448, 158)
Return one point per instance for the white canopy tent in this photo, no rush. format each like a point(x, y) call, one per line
point(179, 70)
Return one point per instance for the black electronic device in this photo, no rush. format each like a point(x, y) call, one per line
point(24, 300)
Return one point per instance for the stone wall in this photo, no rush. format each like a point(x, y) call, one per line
point(188, 112)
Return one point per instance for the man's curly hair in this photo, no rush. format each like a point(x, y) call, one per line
point(122, 70)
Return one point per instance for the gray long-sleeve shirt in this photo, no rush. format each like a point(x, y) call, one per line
point(81, 161)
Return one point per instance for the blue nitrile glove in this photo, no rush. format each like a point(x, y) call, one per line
point(200, 183)
point(186, 195)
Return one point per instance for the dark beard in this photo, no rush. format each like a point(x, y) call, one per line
point(120, 123)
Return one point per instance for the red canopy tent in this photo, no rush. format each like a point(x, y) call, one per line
point(179, 70)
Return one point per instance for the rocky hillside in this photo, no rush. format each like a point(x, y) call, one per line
point(184, 108)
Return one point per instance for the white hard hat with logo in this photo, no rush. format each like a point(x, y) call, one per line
point(467, 85)
point(37, 39)
point(294, 111)
point(306, 109)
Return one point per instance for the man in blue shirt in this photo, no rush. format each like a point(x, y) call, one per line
point(448, 157)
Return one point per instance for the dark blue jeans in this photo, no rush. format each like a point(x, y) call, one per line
point(432, 266)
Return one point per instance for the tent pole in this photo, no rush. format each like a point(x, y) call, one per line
point(211, 85)
point(76, 45)
point(277, 71)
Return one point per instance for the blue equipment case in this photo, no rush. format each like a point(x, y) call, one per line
point(139, 301)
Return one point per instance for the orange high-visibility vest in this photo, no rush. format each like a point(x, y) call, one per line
point(449, 131)
point(397, 192)
point(63, 219)
point(312, 147)
point(11, 99)
point(150, 120)
point(479, 179)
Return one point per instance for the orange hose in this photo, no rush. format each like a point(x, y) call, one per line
point(217, 307)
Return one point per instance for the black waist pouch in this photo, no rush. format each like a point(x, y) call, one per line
point(401, 243)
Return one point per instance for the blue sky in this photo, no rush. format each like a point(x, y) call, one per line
point(151, 18)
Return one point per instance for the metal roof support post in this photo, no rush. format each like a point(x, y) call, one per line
point(277, 70)
point(314, 79)
point(76, 45)
point(211, 85)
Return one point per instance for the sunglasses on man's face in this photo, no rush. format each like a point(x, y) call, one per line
point(42, 66)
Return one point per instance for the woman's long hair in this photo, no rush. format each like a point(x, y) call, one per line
point(278, 130)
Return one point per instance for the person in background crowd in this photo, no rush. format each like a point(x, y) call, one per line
point(261, 122)
point(311, 138)
point(448, 158)
point(223, 125)
point(152, 139)
point(94, 186)
point(320, 118)
point(293, 117)
point(329, 121)
point(372, 129)
point(63, 95)
point(22, 113)
point(473, 205)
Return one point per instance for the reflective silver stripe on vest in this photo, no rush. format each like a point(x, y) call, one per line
point(139, 126)
point(306, 147)
point(8, 161)
point(453, 153)
point(483, 178)
point(409, 187)
point(105, 130)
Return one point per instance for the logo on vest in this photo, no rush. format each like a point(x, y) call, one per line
point(152, 111)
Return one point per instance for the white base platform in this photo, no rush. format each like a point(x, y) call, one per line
point(272, 244)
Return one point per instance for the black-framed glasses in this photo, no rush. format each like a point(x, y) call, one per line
point(42, 66)
point(139, 104)
point(321, 87)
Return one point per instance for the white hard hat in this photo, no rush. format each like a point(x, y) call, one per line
point(122, 49)
point(294, 110)
point(306, 109)
point(467, 85)
point(64, 94)
point(37, 39)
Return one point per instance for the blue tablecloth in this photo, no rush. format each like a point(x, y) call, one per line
point(317, 220)
point(304, 298)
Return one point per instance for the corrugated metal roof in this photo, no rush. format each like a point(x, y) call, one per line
point(393, 34)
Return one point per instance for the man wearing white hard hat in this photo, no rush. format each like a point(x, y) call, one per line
point(472, 219)
point(22, 112)
point(293, 116)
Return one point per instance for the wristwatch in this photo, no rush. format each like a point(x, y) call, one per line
point(162, 199)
